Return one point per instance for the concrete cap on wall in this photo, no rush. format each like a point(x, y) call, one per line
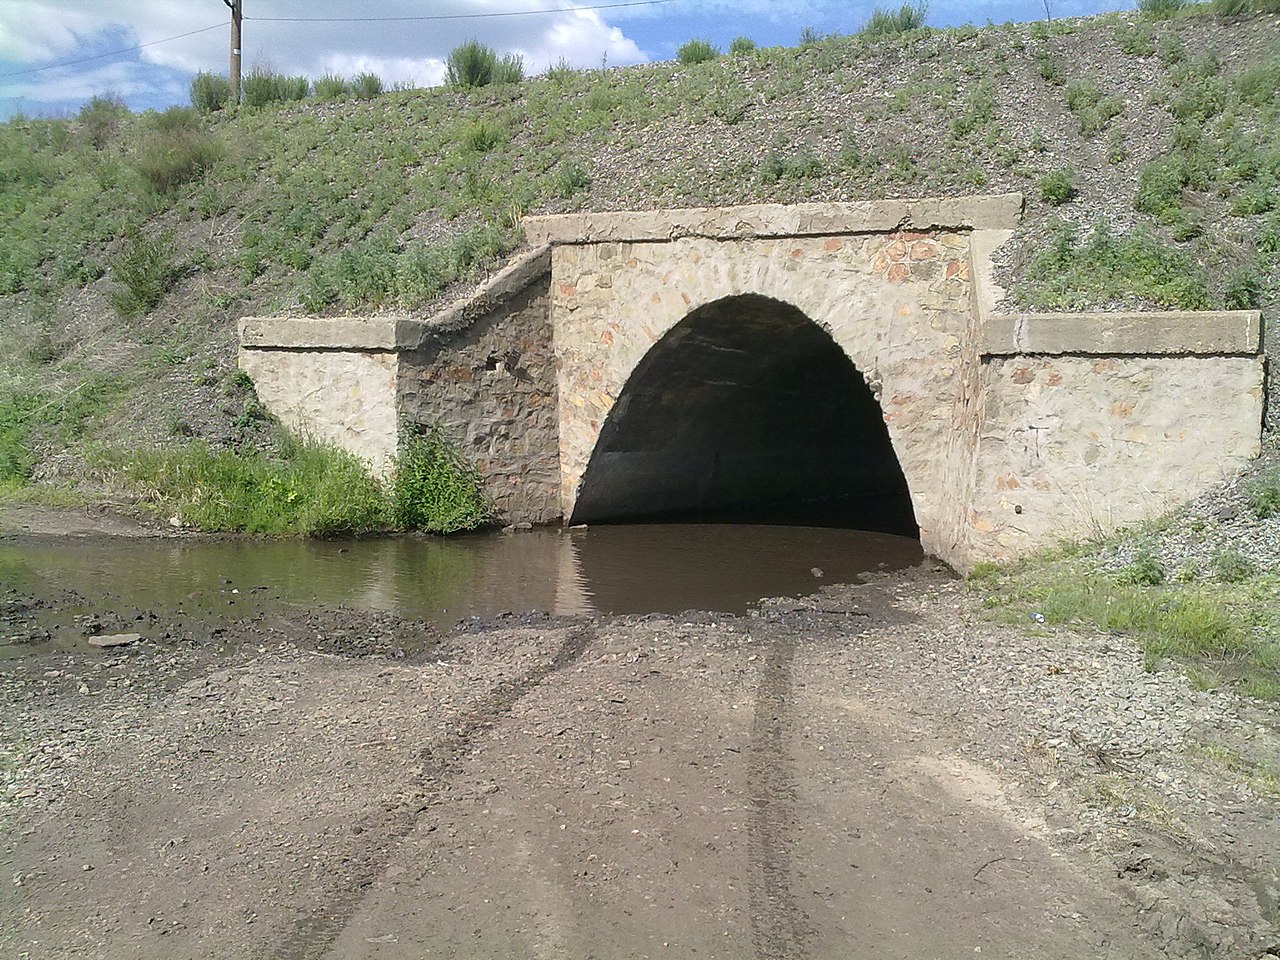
point(1187, 333)
point(764, 220)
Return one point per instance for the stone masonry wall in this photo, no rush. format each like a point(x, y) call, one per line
point(898, 303)
point(492, 388)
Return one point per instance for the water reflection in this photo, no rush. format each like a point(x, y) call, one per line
point(608, 569)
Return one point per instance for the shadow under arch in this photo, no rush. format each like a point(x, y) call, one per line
point(747, 411)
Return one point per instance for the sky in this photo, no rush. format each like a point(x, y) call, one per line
point(148, 69)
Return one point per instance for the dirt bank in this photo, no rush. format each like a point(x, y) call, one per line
point(874, 772)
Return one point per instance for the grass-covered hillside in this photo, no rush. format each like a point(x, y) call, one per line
point(1148, 148)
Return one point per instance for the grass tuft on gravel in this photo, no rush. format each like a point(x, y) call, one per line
point(1222, 633)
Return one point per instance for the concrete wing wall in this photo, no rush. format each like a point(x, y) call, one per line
point(1091, 422)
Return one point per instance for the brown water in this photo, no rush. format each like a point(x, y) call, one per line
point(605, 569)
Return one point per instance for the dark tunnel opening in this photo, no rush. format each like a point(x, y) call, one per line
point(747, 412)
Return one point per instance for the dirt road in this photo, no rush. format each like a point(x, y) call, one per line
point(875, 772)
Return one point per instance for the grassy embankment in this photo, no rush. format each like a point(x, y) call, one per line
point(133, 242)
point(1220, 621)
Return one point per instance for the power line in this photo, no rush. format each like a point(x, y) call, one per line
point(460, 16)
point(112, 53)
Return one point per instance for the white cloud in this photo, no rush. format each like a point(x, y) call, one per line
point(399, 51)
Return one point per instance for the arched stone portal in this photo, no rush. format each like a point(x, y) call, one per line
point(747, 410)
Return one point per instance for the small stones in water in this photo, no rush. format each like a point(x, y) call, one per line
point(114, 639)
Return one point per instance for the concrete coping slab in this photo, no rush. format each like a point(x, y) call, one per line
point(1199, 333)
point(765, 220)
point(392, 332)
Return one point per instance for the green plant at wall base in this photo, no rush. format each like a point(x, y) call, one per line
point(303, 488)
point(569, 179)
point(434, 489)
point(1243, 290)
point(1264, 495)
point(696, 51)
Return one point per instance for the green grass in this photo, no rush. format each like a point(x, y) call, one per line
point(1075, 271)
point(1222, 633)
point(304, 488)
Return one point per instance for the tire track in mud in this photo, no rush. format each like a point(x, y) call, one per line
point(779, 927)
point(315, 933)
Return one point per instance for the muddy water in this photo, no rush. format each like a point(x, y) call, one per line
point(605, 569)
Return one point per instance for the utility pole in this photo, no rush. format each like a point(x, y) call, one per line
point(237, 15)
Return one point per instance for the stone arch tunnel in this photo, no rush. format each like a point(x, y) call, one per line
point(747, 410)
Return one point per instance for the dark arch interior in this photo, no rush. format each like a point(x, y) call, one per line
point(747, 411)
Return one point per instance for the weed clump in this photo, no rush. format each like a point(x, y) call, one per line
point(696, 51)
point(739, 46)
point(101, 117)
point(473, 64)
point(1264, 496)
point(1092, 109)
point(176, 151)
point(144, 271)
point(434, 489)
point(1076, 271)
point(887, 23)
point(262, 86)
point(1160, 9)
point(1056, 187)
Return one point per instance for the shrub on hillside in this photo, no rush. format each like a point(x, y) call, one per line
point(1056, 187)
point(741, 45)
point(1160, 9)
point(331, 87)
point(100, 118)
point(1242, 290)
point(1093, 110)
point(569, 179)
point(696, 51)
point(1264, 495)
point(1260, 84)
point(366, 86)
point(263, 86)
point(884, 23)
point(144, 271)
point(475, 65)
point(175, 153)
point(210, 91)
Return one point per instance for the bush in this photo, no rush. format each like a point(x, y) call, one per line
point(263, 86)
point(1136, 40)
point(739, 46)
point(1260, 84)
point(473, 64)
point(332, 87)
point(696, 51)
point(176, 153)
point(100, 118)
point(1145, 570)
point(144, 272)
point(16, 458)
point(210, 91)
point(482, 136)
point(1264, 495)
point(366, 86)
point(1047, 65)
point(434, 489)
point(884, 23)
point(1056, 187)
point(1232, 566)
point(1230, 8)
point(1160, 9)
